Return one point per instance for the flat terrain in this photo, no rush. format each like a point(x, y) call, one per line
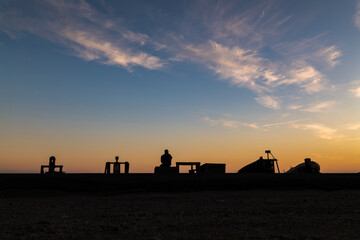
point(237, 214)
point(176, 183)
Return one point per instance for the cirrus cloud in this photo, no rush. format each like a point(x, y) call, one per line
point(321, 107)
point(321, 130)
point(356, 92)
point(234, 47)
point(357, 16)
point(269, 102)
point(77, 25)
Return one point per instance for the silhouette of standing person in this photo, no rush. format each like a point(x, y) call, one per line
point(166, 159)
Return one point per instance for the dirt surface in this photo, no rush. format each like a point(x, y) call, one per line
point(250, 214)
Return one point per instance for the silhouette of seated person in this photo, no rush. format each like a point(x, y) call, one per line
point(165, 167)
point(166, 159)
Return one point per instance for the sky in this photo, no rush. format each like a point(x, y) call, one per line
point(212, 81)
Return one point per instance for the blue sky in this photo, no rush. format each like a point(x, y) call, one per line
point(71, 71)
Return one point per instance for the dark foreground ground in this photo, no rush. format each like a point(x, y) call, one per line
point(176, 183)
point(231, 214)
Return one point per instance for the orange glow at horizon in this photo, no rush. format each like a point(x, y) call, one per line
point(144, 154)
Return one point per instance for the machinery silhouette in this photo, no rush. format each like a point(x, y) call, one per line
point(262, 165)
point(307, 166)
point(259, 166)
point(195, 167)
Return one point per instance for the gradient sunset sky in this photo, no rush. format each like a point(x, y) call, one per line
point(212, 81)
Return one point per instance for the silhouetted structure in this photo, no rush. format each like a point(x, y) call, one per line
point(116, 166)
point(306, 167)
point(51, 167)
point(212, 168)
point(261, 165)
point(191, 164)
point(195, 167)
point(166, 159)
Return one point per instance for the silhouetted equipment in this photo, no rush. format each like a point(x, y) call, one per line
point(195, 167)
point(212, 168)
point(116, 166)
point(262, 165)
point(51, 167)
point(306, 167)
point(191, 164)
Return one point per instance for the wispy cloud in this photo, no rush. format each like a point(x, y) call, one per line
point(236, 54)
point(321, 107)
point(136, 37)
point(91, 47)
point(269, 102)
point(230, 45)
point(251, 125)
point(321, 130)
point(246, 68)
point(294, 107)
point(250, 26)
point(356, 92)
point(229, 123)
point(306, 77)
point(331, 55)
point(212, 122)
point(353, 126)
point(240, 66)
point(281, 123)
point(80, 27)
point(357, 16)
point(312, 51)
